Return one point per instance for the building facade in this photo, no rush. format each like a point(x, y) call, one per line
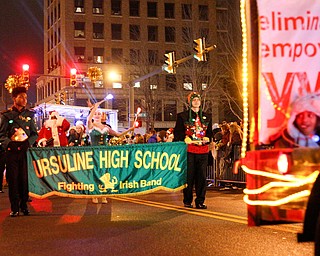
point(129, 38)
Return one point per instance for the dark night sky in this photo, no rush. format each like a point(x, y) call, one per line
point(21, 39)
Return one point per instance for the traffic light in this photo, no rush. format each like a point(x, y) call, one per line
point(57, 98)
point(73, 77)
point(170, 62)
point(25, 74)
point(200, 48)
point(63, 98)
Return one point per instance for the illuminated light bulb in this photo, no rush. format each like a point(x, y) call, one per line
point(315, 138)
point(283, 163)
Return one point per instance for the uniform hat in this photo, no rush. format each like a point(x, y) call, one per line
point(17, 90)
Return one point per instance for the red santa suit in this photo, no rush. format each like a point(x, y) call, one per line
point(55, 129)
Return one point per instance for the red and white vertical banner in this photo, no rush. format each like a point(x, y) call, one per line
point(289, 58)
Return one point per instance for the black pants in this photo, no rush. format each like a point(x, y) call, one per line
point(2, 166)
point(196, 176)
point(17, 178)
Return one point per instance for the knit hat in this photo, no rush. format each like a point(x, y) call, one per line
point(310, 102)
point(215, 126)
point(17, 90)
point(191, 96)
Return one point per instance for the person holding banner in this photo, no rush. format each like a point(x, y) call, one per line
point(99, 132)
point(17, 133)
point(194, 127)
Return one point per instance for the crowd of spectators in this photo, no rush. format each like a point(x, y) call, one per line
point(78, 137)
point(226, 148)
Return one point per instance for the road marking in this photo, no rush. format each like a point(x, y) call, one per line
point(290, 228)
point(194, 211)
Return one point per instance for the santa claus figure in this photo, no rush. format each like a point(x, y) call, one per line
point(54, 131)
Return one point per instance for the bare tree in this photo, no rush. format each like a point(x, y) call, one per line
point(229, 45)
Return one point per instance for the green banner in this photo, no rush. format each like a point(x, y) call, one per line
point(107, 170)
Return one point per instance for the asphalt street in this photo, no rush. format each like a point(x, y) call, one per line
point(152, 224)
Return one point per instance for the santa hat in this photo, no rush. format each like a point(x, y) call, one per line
point(82, 125)
point(170, 131)
point(71, 128)
point(53, 113)
point(310, 102)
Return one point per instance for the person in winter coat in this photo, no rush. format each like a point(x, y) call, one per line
point(54, 131)
point(194, 127)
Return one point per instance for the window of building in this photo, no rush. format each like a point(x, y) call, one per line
point(187, 86)
point(79, 53)
point(186, 11)
point(116, 31)
point(97, 7)
point(116, 55)
point(186, 35)
point(204, 32)
point(152, 10)
point(116, 85)
point(134, 56)
point(203, 13)
point(122, 106)
point(134, 32)
point(187, 83)
point(98, 29)
point(153, 57)
point(134, 8)
point(157, 106)
point(170, 34)
point(79, 31)
point(170, 110)
point(98, 54)
point(169, 10)
point(116, 7)
point(153, 86)
point(171, 82)
point(137, 85)
point(152, 33)
point(79, 6)
point(98, 84)
point(222, 20)
point(204, 86)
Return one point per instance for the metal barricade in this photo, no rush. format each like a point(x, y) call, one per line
point(221, 171)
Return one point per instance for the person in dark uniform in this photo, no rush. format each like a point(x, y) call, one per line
point(2, 167)
point(195, 128)
point(17, 133)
